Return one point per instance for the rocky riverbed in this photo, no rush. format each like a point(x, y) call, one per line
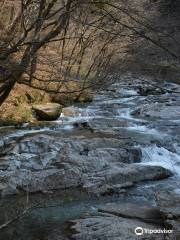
point(99, 172)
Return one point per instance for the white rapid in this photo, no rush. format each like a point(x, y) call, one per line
point(160, 156)
point(119, 103)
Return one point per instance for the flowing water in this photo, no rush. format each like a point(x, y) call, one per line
point(111, 111)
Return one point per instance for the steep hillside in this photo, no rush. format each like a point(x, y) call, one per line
point(162, 24)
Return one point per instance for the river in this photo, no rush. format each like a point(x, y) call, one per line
point(124, 147)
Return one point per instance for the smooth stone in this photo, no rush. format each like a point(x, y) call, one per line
point(110, 227)
point(48, 111)
point(130, 210)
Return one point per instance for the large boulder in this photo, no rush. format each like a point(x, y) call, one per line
point(47, 112)
point(46, 163)
point(117, 222)
point(169, 202)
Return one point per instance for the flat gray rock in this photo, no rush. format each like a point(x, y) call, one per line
point(111, 227)
point(130, 210)
point(159, 110)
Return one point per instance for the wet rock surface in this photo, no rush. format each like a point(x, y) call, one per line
point(111, 226)
point(130, 210)
point(122, 145)
point(46, 163)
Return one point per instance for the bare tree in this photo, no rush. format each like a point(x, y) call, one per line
point(77, 31)
point(41, 26)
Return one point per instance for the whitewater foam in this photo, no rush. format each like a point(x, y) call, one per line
point(160, 156)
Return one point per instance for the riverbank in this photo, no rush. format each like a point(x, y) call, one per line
point(17, 109)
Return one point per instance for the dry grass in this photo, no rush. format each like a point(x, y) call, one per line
point(17, 108)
